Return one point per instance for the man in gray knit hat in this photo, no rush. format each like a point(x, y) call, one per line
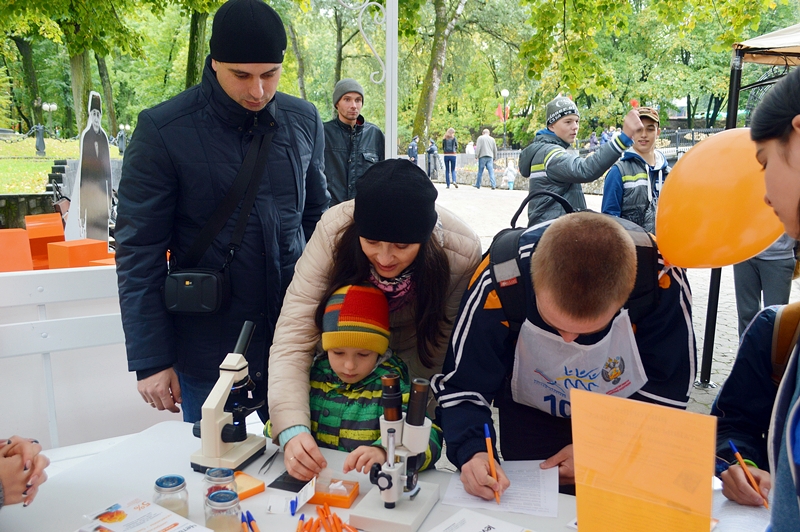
point(352, 144)
point(552, 168)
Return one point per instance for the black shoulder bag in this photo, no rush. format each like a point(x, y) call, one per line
point(199, 291)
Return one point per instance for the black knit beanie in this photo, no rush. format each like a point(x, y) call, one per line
point(247, 31)
point(395, 202)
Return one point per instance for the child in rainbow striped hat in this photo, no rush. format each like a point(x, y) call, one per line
point(346, 391)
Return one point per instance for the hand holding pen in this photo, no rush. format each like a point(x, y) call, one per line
point(743, 485)
point(476, 475)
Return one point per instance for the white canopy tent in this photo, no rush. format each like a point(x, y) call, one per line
point(779, 48)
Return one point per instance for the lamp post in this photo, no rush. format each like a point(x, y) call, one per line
point(50, 108)
point(122, 137)
point(504, 93)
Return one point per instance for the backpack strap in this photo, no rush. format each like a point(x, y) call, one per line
point(645, 295)
point(504, 265)
point(506, 275)
point(785, 333)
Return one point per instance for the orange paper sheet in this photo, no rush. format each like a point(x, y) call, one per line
point(640, 466)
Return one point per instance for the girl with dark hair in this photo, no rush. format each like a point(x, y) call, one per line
point(776, 130)
point(393, 236)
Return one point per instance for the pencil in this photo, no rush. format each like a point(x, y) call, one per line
point(750, 478)
point(490, 450)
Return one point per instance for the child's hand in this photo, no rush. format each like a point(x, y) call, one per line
point(362, 458)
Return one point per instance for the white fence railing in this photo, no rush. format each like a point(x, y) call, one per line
point(63, 370)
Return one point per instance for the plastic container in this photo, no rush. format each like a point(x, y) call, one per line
point(247, 486)
point(170, 493)
point(223, 511)
point(334, 492)
point(218, 479)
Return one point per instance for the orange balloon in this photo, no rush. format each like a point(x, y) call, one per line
point(711, 210)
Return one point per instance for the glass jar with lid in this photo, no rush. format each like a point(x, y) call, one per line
point(218, 479)
point(222, 511)
point(170, 493)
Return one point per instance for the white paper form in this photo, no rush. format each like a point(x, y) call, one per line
point(467, 521)
point(533, 491)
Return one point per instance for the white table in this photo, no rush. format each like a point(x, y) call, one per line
point(130, 468)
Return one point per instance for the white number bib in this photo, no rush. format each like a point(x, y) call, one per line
point(546, 367)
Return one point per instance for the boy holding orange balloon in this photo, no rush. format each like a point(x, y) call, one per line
point(633, 184)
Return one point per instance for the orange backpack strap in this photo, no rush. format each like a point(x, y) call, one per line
point(785, 333)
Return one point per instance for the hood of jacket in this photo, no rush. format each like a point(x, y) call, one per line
point(631, 155)
point(548, 137)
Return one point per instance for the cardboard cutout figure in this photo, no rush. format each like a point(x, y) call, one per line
point(91, 193)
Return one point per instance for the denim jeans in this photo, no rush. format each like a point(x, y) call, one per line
point(449, 168)
point(488, 163)
point(195, 391)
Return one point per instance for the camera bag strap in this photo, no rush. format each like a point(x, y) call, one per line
point(246, 182)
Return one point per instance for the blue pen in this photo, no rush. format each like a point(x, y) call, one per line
point(293, 506)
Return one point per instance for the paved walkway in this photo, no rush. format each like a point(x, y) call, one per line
point(488, 211)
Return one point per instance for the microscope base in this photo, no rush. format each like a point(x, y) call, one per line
point(371, 516)
point(237, 458)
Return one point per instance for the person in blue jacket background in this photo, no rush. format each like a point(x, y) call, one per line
point(632, 185)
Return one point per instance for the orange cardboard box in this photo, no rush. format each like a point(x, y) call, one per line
point(16, 255)
point(43, 229)
point(76, 253)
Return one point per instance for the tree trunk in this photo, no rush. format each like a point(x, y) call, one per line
point(443, 27)
point(337, 65)
point(31, 83)
point(197, 43)
point(714, 106)
point(301, 64)
point(81, 76)
point(108, 94)
point(689, 112)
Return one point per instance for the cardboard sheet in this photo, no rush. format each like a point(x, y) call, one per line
point(640, 466)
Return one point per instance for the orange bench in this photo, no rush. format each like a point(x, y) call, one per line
point(43, 229)
point(76, 253)
point(16, 255)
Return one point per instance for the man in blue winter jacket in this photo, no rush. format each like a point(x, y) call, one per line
point(181, 162)
point(603, 313)
point(632, 186)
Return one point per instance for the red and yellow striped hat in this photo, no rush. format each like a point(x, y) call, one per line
point(356, 316)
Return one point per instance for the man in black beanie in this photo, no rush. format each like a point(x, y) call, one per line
point(352, 144)
point(180, 164)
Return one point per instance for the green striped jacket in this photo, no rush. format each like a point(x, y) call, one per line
point(346, 416)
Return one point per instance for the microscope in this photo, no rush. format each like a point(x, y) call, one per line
point(401, 503)
point(222, 429)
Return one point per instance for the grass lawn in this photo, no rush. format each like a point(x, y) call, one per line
point(29, 175)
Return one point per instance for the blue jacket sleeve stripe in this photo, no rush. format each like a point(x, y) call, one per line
point(461, 328)
point(686, 305)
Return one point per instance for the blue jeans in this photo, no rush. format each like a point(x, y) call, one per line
point(449, 168)
point(485, 162)
point(195, 391)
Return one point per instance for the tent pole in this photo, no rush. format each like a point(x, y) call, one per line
point(716, 273)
